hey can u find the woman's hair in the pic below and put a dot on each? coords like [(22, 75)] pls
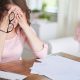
[(21, 3)]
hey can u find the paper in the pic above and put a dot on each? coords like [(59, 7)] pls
[(57, 68), (11, 76)]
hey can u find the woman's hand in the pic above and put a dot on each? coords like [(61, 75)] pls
[(4, 23), (22, 19), (21, 16)]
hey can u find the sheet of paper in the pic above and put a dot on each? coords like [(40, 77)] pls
[(57, 68), (63, 77), (11, 76)]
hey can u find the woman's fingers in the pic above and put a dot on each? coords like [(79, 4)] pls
[(19, 17), (19, 11), (19, 14), (11, 10), (16, 10)]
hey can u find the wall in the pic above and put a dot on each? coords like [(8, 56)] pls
[(68, 14)]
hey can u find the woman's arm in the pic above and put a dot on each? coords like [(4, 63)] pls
[(39, 53), (38, 46), (3, 26), (34, 41), (2, 41)]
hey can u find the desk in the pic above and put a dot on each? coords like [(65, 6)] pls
[(22, 67)]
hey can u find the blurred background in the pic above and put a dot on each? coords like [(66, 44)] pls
[(62, 14), (55, 22)]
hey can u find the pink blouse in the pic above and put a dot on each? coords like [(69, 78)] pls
[(13, 49)]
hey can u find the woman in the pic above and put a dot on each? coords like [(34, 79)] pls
[(15, 30)]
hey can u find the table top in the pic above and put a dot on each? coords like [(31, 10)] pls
[(23, 67)]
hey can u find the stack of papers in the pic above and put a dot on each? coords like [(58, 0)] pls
[(11, 76), (57, 68)]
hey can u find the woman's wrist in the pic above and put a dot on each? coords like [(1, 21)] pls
[(26, 28), (3, 29)]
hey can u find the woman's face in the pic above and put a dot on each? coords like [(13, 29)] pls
[(13, 16)]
